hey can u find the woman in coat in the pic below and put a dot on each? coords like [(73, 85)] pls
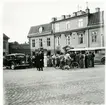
[(81, 60), (86, 60)]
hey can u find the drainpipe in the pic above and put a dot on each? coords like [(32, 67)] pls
[(88, 39)]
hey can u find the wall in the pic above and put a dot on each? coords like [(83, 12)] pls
[(5, 46), (44, 38), (73, 24), (73, 40), (100, 39)]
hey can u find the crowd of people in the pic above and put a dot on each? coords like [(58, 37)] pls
[(62, 60)]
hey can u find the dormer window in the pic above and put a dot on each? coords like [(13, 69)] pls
[(40, 29)]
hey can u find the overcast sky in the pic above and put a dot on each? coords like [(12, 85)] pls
[(18, 17)]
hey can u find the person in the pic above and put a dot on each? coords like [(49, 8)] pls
[(67, 58), (45, 60), (92, 59), (62, 61), (77, 57), (33, 60), (41, 58), (37, 59), (30, 61), (53, 59), (89, 59), (81, 60), (86, 60), (57, 60)]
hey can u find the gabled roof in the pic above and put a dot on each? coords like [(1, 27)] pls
[(45, 28), (95, 18), (5, 36)]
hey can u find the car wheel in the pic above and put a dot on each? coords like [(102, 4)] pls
[(12, 66), (103, 61)]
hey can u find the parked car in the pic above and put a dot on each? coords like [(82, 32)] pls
[(100, 58), (15, 60)]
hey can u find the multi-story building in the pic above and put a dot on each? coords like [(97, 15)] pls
[(41, 37), (5, 45), (82, 29), (96, 29)]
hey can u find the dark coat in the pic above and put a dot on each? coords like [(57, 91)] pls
[(41, 57), (86, 61), (81, 61), (37, 59)]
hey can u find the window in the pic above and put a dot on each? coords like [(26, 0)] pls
[(80, 38), (57, 27), (67, 25), (33, 42), (48, 41), (40, 43), (33, 53), (68, 40), (58, 41), (94, 36), (80, 23)]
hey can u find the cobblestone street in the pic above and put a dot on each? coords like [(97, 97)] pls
[(54, 86)]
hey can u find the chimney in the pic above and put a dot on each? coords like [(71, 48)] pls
[(63, 17), (87, 10), (74, 13), (54, 19), (97, 9), (79, 12), (67, 16)]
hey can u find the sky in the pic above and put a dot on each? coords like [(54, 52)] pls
[(19, 16)]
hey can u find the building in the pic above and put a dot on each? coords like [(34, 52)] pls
[(82, 29), (15, 47), (96, 29), (41, 37), (5, 44)]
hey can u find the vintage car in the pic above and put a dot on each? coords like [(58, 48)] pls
[(15, 60), (100, 57)]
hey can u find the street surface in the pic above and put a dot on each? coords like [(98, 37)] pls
[(54, 86)]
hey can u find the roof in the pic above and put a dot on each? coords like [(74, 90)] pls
[(45, 29), (95, 18), (5, 36)]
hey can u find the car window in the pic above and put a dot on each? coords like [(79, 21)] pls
[(20, 56)]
